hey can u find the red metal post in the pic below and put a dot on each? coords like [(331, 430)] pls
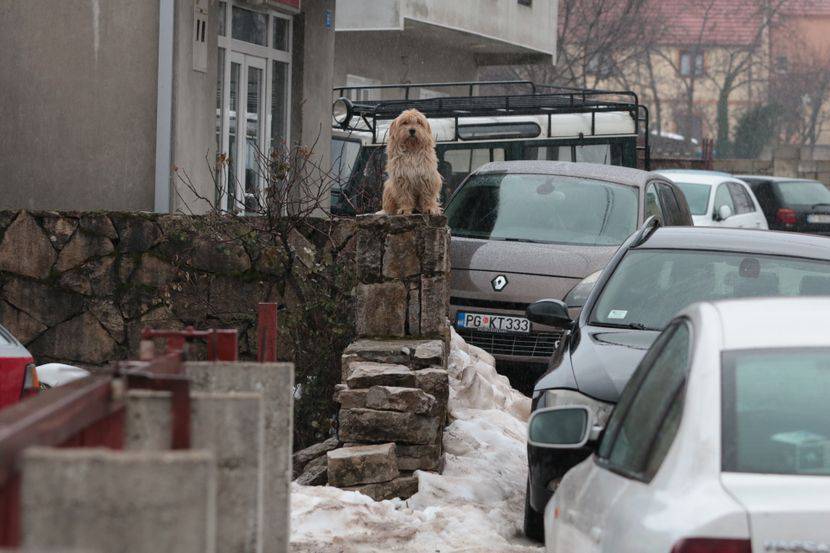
[(227, 347), (266, 330)]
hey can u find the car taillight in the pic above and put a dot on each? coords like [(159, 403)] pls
[(712, 545), (786, 216), (31, 383)]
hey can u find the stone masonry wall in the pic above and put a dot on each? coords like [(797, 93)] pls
[(78, 287)]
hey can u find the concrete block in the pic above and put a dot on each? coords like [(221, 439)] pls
[(231, 426), (130, 502), (275, 381)]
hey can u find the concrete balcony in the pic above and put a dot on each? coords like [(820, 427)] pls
[(494, 32)]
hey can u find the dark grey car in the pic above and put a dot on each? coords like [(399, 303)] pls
[(522, 230)]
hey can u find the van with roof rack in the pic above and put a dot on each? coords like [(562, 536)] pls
[(480, 122)]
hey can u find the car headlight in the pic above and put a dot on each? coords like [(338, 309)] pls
[(579, 293), (601, 409), (341, 112)]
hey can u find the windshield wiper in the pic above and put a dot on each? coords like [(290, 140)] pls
[(633, 326)]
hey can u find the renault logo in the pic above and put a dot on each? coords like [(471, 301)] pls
[(499, 283)]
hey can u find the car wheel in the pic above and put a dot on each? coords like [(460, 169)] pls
[(533, 526)]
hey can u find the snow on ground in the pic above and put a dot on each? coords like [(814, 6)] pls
[(476, 505)]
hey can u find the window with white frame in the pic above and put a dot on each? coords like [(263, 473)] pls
[(253, 99)]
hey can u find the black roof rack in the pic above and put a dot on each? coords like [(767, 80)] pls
[(521, 97)]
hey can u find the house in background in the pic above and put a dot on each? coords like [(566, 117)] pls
[(423, 41), (106, 103)]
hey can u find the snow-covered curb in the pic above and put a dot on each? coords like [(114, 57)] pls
[(475, 505)]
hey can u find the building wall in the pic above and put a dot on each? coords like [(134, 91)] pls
[(532, 27), (78, 104), (314, 59), (392, 57), (194, 115)]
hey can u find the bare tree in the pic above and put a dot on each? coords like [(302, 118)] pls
[(800, 89)]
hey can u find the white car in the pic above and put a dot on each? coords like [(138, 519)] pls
[(718, 199), (720, 442)]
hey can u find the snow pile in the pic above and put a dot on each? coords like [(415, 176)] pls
[(476, 505)]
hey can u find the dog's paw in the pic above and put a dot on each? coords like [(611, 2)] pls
[(403, 212), (435, 211)]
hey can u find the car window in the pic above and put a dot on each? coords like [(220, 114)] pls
[(802, 192), (775, 411), (343, 158), (650, 286), (674, 214), (697, 196), (723, 197), (740, 197), (763, 193), (637, 445), (653, 205), (543, 208), (455, 164)]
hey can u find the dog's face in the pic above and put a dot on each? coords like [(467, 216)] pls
[(411, 130)]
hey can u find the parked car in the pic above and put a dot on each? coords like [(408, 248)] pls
[(655, 274), (719, 442), (18, 375), (523, 230), (799, 205), (475, 123), (718, 199)]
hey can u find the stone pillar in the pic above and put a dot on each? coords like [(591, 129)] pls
[(403, 273), (393, 399), (131, 502)]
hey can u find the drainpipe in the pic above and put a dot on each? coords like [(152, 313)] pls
[(164, 107)]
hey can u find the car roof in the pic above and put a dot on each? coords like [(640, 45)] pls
[(751, 323), (761, 242), (596, 171), (698, 177), (775, 179)]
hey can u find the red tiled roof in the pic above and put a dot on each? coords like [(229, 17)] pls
[(709, 22), (682, 22)]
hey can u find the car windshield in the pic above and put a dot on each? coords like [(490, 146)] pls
[(649, 287), (697, 196), (803, 192), (544, 208), (775, 411)]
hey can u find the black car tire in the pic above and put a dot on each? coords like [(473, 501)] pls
[(534, 524)]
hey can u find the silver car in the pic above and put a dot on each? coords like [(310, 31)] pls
[(524, 230)]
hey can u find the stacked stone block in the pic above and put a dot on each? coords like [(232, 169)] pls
[(403, 274)]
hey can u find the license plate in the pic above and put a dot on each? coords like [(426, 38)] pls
[(493, 323), (821, 219)]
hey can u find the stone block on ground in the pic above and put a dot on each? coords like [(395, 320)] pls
[(349, 466), (275, 381), (369, 425), (315, 473), (420, 457), (301, 458), (392, 398), (367, 374), (403, 487), (125, 501), (231, 426)]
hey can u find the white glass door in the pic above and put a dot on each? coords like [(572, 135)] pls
[(247, 152)]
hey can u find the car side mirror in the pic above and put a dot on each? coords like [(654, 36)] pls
[(724, 212), (550, 313), (562, 427)]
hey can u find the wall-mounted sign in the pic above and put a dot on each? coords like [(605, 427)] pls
[(328, 19), (200, 21)]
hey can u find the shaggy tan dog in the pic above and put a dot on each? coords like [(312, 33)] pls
[(414, 182)]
